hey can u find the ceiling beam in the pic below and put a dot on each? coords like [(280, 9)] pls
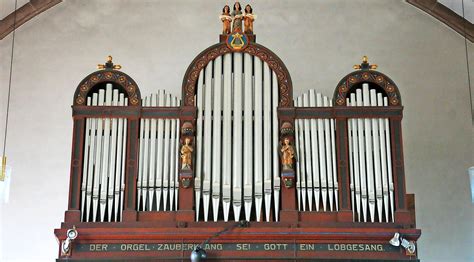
[(447, 16), (24, 14)]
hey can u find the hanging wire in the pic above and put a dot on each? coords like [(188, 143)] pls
[(9, 91), (467, 65)]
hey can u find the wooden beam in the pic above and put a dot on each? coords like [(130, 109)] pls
[(447, 16), (24, 14)]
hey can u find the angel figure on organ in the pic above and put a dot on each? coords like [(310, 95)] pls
[(186, 154), (287, 154), (226, 19), (237, 18), (249, 17)]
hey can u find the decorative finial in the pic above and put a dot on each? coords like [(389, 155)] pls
[(365, 64), (109, 64)]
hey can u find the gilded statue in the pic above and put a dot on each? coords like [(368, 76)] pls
[(287, 154), (186, 154), (249, 17), (237, 18), (226, 19)]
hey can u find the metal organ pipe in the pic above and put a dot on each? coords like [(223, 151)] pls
[(237, 138), (198, 143), (226, 137), (307, 145), (275, 142), (217, 136), (248, 136), (258, 139), (207, 142)]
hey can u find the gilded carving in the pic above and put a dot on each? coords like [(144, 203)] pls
[(186, 154), (287, 154)]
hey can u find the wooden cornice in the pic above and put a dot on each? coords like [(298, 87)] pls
[(24, 14), (447, 16)]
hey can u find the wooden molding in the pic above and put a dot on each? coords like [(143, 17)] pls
[(447, 16), (24, 14)]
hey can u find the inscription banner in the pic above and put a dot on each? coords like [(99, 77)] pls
[(301, 247)]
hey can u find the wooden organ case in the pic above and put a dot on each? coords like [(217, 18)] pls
[(237, 167)]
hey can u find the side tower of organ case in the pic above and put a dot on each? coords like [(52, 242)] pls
[(237, 167)]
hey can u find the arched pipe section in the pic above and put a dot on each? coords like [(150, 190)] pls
[(107, 76), (390, 89), (274, 62), (355, 78), (87, 85)]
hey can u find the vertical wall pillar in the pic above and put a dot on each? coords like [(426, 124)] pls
[(73, 214), (131, 169), (342, 144)]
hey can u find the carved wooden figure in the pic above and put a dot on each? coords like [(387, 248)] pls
[(249, 18), (226, 19), (237, 17), (287, 154), (186, 154)]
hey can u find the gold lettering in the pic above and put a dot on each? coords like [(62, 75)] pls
[(243, 247), (380, 248), (330, 247)]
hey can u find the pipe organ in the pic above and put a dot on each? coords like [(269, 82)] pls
[(237, 167)]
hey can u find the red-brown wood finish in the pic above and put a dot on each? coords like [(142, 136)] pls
[(294, 228)]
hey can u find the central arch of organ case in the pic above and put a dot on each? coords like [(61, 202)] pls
[(316, 177)]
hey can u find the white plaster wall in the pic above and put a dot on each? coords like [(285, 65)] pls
[(156, 40)]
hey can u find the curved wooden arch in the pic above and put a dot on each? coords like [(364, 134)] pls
[(274, 62), (109, 76), (366, 76)]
